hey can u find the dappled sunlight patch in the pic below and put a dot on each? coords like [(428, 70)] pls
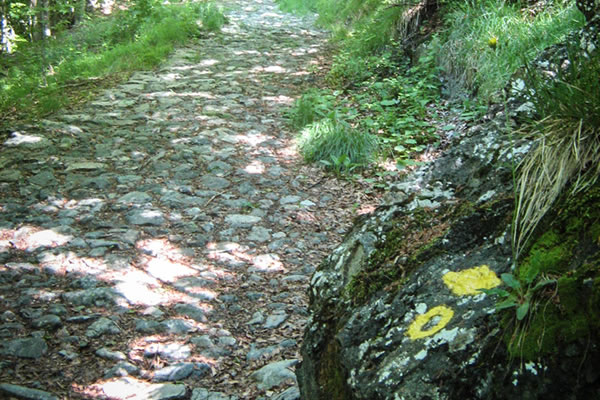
[(71, 263), (268, 263), (255, 167), (29, 238), (229, 253), (253, 140), (137, 287), (273, 69), (279, 99), (18, 139), (167, 270)]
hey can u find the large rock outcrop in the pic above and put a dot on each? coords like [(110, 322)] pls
[(399, 310)]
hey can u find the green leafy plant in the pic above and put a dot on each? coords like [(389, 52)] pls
[(312, 106), (520, 294)]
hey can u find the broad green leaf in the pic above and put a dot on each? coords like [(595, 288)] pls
[(522, 310), (391, 102), (508, 303), (511, 281)]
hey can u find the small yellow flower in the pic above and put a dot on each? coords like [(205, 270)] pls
[(493, 42)]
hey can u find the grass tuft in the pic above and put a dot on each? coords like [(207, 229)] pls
[(566, 143), (336, 144), (488, 41)]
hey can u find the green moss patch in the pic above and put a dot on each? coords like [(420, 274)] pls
[(566, 250)]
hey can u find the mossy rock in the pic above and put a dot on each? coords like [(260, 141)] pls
[(566, 249)]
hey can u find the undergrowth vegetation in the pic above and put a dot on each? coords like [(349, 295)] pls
[(48, 75), (384, 88)]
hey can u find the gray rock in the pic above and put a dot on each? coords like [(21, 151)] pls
[(178, 326), (49, 321), (44, 178), (34, 347), (259, 234), (256, 353), (128, 388), (22, 392), (214, 183), (91, 297), (171, 351), (203, 394), (190, 311), (242, 220), (122, 368), (172, 373), (101, 327), (274, 374), (290, 200), (10, 175), (110, 355), (149, 326), (291, 393), (275, 320), (135, 198), (146, 217)]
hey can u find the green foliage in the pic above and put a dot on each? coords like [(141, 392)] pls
[(465, 51), (37, 75), (396, 108), (548, 302), (315, 104), (336, 144), (566, 137)]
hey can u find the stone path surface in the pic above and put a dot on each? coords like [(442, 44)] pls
[(157, 242)]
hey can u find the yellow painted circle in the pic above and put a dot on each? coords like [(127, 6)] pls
[(470, 281), (415, 330)]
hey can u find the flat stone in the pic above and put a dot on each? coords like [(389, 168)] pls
[(291, 393), (175, 372), (23, 392), (101, 327), (204, 394), (214, 182), (110, 355), (178, 326), (91, 297), (135, 198), (275, 320), (170, 351), (34, 347), (190, 311), (149, 326), (290, 200), (133, 389), (274, 374), (84, 166), (242, 220), (10, 175), (44, 178), (49, 321), (146, 217), (122, 368), (259, 234)]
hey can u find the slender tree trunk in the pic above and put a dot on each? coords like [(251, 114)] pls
[(79, 14), (44, 19)]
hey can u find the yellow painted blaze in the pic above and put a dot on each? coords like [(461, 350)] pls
[(415, 330), (470, 281)]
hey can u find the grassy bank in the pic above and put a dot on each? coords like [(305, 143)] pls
[(46, 76)]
